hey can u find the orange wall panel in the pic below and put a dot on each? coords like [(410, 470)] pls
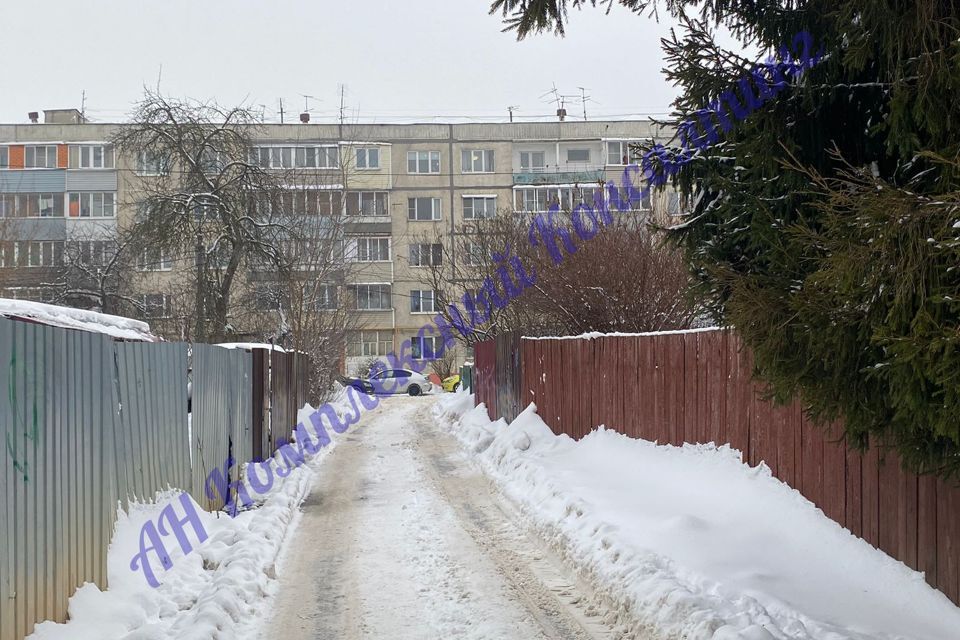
[(63, 156), (16, 156)]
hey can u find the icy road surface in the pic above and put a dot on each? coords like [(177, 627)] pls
[(400, 538)]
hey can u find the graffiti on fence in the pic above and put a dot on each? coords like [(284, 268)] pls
[(13, 432)]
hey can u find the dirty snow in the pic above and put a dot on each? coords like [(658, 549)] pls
[(697, 544)]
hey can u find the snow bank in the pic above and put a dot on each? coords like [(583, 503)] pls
[(217, 591), (69, 318), (693, 543)]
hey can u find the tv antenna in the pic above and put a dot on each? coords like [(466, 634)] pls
[(559, 99), (511, 109), (584, 99)]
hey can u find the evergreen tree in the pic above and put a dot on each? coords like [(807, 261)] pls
[(826, 225)]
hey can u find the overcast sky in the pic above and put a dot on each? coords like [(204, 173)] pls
[(400, 60)]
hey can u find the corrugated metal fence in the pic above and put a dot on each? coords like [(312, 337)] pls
[(88, 422), (697, 387)]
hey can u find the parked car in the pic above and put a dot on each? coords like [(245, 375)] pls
[(399, 381), (452, 383), (359, 384)]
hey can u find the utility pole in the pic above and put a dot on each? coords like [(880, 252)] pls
[(83, 105), (281, 110)]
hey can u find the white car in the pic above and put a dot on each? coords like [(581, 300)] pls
[(399, 381)]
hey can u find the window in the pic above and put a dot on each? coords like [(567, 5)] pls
[(91, 253), (40, 157), (4, 157), (319, 297), (423, 162), (542, 198), (48, 253), (532, 161), (373, 250), (368, 158), (155, 259), (91, 156), (477, 160), (369, 343), (578, 155), (31, 205), (479, 207), (367, 203), (423, 209), (676, 206), (92, 205), (373, 297), (270, 296), (425, 347), (157, 305), (423, 301), (151, 163), (618, 152), (211, 161), (425, 255), (474, 254), (295, 157)]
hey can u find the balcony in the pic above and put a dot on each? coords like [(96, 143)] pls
[(559, 174)]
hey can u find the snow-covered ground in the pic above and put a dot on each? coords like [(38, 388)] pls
[(402, 540), (696, 544), (219, 590)]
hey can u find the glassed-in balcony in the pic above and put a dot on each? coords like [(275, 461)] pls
[(571, 173)]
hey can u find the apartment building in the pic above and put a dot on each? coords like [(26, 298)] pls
[(63, 190)]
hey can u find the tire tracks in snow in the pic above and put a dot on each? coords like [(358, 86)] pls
[(564, 605)]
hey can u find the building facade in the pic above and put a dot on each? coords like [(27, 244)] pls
[(63, 192)]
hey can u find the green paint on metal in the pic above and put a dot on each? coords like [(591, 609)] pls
[(21, 464)]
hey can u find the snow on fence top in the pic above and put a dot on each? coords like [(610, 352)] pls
[(596, 334), (80, 319), (251, 345)]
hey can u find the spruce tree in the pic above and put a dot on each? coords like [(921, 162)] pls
[(826, 226)]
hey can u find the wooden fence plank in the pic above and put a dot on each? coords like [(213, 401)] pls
[(908, 517), (811, 462), (870, 465), (947, 542), (927, 528), (834, 473), (690, 402), (853, 519)]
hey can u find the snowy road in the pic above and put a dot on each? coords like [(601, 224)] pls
[(401, 539)]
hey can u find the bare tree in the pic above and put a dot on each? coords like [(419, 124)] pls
[(623, 278), (198, 194)]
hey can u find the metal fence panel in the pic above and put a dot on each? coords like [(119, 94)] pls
[(59, 477), (222, 416), (152, 382)]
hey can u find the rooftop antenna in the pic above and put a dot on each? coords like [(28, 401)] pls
[(342, 92), (83, 104), (281, 110), (584, 99), (511, 109), (305, 116), (560, 101)]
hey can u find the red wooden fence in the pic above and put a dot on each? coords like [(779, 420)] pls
[(697, 387)]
